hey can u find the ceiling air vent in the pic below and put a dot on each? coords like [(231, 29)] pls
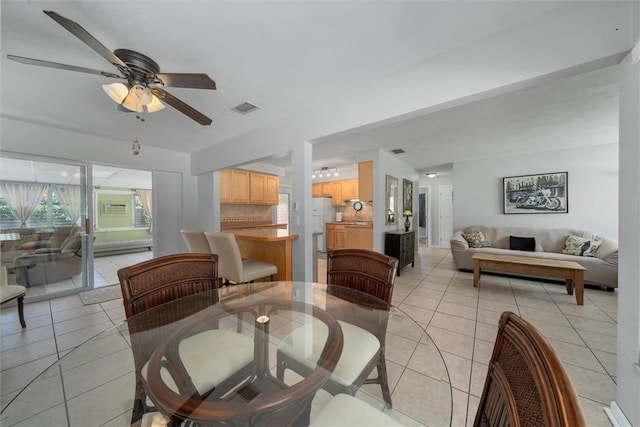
[(245, 108), (397, 151)]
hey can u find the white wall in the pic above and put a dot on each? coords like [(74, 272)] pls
[(628, 369), (592, 190), (390, 165)]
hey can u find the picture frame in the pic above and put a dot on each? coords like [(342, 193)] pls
[(407, 195), (545, 193)]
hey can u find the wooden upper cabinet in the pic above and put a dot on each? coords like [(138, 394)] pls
[(239, 187), (326, 189), (317, 190), (336, 193), (264, 189), (272, 188), (242, 187), (225, 185), (258, 188), (365, 180), (349, 189)]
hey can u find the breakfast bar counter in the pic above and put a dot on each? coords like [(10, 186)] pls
[(272, 245)]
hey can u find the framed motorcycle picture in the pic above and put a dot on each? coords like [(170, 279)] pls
[(544, 193)]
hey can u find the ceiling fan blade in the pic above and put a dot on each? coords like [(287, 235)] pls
[(185, 109), (42, 63), (188, 80), (75, 29)]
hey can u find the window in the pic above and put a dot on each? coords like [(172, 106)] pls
[(49, 213), (141, 218)]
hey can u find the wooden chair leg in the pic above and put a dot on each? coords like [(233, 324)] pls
[(21, 311)]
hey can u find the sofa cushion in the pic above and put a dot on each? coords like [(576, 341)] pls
[(474, 238), (581, 246), (522, 243)]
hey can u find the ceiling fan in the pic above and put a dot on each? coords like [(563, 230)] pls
[(144, 88)]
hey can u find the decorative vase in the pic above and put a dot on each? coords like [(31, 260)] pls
[(407, 224)]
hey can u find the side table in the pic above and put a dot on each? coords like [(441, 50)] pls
[(401, 245)]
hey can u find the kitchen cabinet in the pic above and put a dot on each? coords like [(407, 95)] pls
[(401, 245), (264, 189), (331, 236), (359, 237), (243, 187), (317, 190), (272, 190), (342, 236), (234, 186), (349, 189), (340, 191), (336, 236), (336, 193), (326, 189), (225, 185), (365, 181)]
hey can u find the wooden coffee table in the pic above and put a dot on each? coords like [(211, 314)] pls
[(572, 272)]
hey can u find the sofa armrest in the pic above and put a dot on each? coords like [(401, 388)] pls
[(46, 251), (608, 251), (32, 257), (458, 243)]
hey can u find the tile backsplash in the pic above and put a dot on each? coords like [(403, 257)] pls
[(349, 214), (245, 213)]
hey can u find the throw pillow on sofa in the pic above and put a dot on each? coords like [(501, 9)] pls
[(475, 239), (580, 246), (522, 243)]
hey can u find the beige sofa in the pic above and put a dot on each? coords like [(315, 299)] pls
[(49, 265), (602, 268)]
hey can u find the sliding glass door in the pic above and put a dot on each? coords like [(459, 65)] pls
[(45, 232)]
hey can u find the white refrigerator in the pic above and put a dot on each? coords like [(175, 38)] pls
[(323, 212)]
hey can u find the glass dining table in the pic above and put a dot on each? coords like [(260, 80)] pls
[(94, 385)]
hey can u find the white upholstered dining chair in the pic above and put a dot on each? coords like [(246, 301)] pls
[(346, 410), (196, 241), (10, 292), (231, 266)]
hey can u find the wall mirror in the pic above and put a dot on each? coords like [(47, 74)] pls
[(391, 199)]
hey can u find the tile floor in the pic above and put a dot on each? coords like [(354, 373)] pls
[(461, 320)]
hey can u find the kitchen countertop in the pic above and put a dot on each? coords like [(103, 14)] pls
[(265, 234), (233, 225), (353, 224)]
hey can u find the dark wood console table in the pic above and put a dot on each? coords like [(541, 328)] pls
[(401, 245)]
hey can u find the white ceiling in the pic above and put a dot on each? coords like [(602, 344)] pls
[(289, 55)]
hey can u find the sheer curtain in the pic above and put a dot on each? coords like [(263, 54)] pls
[(70, 200), (23, 198), (145, 199)]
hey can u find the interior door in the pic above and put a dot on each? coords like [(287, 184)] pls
[(446, 215)]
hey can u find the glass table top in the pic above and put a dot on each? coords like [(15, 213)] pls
[(95, 383)]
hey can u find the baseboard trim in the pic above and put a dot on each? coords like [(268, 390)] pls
[(616, 416)]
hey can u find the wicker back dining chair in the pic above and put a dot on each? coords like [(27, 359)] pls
[(152, 283), (526, 384), (369, 272)]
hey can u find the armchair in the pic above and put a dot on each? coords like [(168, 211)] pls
[(49, 265)]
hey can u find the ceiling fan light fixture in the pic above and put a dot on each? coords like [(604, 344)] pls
[(116, 91), (141, 95), (154, 105), (138, 99)]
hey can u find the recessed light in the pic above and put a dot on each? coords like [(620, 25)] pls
[(431, 174)]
